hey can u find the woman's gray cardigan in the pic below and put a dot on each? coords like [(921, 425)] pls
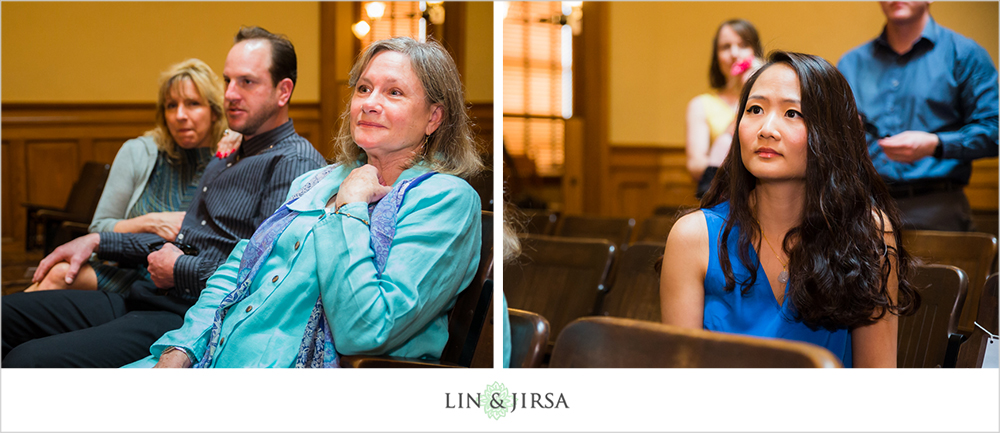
[(126, 181)]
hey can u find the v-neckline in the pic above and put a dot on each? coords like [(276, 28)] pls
[(767, 279)]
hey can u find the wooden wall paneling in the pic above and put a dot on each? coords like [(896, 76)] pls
[(453, 33), (51, 169), (17, 191), (105, 149), (45, 145), (338, 49), (591, 75), (982, 189)]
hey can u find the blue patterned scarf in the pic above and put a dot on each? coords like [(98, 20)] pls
[(317, 349)]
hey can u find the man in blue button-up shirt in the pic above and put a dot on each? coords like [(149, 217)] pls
[(928, 98)]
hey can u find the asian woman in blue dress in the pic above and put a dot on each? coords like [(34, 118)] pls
[(368, 255), (797, 238)]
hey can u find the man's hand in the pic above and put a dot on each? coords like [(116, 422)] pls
[(75, 252), (909, 146), (161, 265), (173, 359)]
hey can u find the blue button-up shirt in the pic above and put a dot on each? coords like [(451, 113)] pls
[(946, 84)]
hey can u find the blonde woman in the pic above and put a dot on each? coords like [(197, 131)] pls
[(155, 176)]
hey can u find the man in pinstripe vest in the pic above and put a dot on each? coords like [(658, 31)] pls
[(73, 328)]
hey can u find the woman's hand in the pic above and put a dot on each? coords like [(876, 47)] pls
[(163, 224), (173, 359), (230, 141), (363, 185)]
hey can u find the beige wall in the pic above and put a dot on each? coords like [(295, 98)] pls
[(479, 52), (114, 52), (660, 51)]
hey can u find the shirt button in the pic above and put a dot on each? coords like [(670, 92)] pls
[(895, 83), (180, 236), (296, 245), (275, 279), (203, 189), (249, 308), (203, 222), (229, 164), (223, 340)]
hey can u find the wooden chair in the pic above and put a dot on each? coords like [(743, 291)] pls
[(483, 357), (558, 278), (656, 228), (540, 222), (635, 293), (465, 322), (616, 230), (529, 334), (611, 342), (973, 252), (930, 338), (79, 207), (973, 351)]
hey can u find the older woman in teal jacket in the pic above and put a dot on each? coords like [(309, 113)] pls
[(367, 256)]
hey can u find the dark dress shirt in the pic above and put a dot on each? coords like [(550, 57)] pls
[(236, 194), (946, 85)]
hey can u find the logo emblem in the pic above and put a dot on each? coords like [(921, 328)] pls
[(496, 401)]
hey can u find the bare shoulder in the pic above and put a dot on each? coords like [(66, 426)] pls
[(696, 106), (882, 222), (690, 229)]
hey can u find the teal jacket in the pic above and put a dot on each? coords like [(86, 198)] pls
[(433, 257)]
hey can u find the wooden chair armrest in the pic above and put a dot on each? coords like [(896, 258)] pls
[(951, 353), (365, 361), (36, 207), (58, 215)]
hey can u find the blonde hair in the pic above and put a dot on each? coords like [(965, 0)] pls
[(209, 87), (451, 148)]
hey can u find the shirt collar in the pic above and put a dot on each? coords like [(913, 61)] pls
[(263, 141), (930, 34)]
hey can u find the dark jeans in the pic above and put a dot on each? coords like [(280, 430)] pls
[(946, 210), (75, 328)]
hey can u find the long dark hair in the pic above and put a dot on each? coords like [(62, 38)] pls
[(839, 264), (749, 35)]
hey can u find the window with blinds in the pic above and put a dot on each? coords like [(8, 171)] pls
[(537, 83), (398, 19)]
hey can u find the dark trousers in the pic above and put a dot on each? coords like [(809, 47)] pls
[(74, 328), (945, 210)]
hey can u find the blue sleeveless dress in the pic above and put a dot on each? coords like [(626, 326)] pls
[(757, 313)]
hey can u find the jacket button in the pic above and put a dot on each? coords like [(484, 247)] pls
[(249, 308), (297, 245), (275, 279)]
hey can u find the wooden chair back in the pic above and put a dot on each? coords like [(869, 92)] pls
[(656, 228), (465, 322), (973, 252), (483, 356), (80, 206), (529, 335), (616, 230), (540, 222), (611, 342), (559, 278), (973, 351), (635, 293), (925, 338), (87, 189)]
